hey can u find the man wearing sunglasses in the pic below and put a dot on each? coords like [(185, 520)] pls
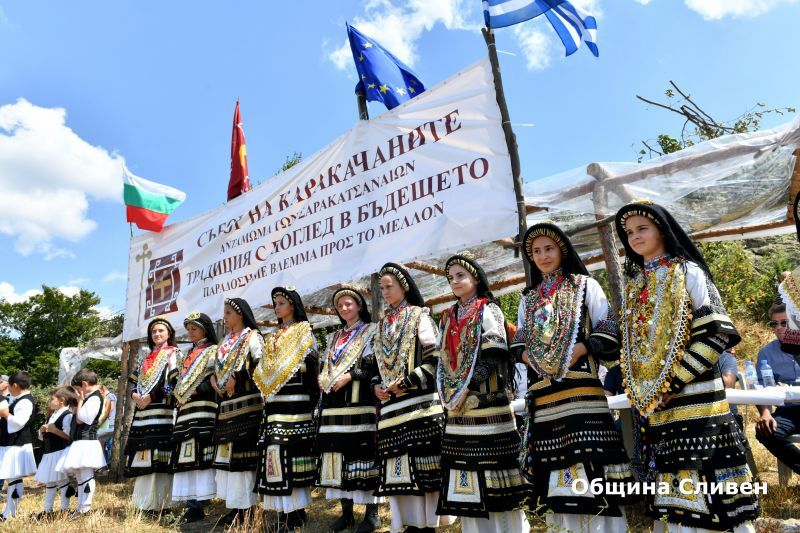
[(773, 429)]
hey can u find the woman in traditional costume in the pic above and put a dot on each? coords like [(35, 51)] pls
[(348, 466), (481, 478), (673, 328), (789, 290), (193, 456), (565, 326), (287, 377), (411, 415), (149, 446), (236, 431)]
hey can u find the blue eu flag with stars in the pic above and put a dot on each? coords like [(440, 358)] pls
[(383, 77)]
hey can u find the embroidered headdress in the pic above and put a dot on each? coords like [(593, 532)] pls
[(242, 308), (170, 330), (363, 312), (676, 241), (292, 295), (203, 321), (570, 260), (467, 261), (413, 296)]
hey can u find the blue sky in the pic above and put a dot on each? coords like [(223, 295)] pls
[(85, 84)]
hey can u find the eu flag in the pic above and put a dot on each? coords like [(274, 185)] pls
[(384, 78)]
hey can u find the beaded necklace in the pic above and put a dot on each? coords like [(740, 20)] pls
[(655, 330), (461, 344), (344, 351), (284, 352), (151, 368), (552, 320), (397, 340), (231, 355), (194, 368)]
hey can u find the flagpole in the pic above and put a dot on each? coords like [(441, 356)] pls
[(376, 298), (511, 142)]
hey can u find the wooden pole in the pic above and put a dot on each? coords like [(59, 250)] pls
[(511, 142), (376, 297), (608, 241), (119, 415), (125, 418)]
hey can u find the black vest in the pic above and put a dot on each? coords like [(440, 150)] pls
[(25, 435), (86, 431), (52, 442)]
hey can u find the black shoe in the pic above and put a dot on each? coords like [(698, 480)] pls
[(229, 518), (194, 514), (371, 520), (342, 523)]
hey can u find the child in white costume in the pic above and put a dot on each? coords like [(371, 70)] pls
[(85, 454), (56, 441), (18, 461)]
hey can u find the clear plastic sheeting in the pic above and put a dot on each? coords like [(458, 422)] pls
[(736, 184)]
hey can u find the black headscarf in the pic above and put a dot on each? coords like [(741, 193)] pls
[(413, 296), (676, 242), (202, 320), (291, 294), (571, 262), (363, 312), (469, 264), (242, 309), (170, 330), (797, 214)]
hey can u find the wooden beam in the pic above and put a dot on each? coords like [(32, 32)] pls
[(794, 185), (424, 267)]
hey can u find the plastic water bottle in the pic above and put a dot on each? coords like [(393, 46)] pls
[(766, 374), (750, 375)]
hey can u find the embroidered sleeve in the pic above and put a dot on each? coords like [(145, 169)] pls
[(603, 342), (517, 344), (493, 346), (423, 376), (712, 330), (23, 410), (256, 347)]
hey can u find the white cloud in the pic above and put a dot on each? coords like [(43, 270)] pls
[(78, 281), (717, 9), (47, 175), (643, 2), (115, 276), (398, 25), (10, 294), (536, 45)]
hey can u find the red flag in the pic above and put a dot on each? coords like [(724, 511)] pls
[(240, 180)]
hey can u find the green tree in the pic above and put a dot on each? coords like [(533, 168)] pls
[(34, 331)]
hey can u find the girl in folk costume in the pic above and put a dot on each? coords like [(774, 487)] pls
[(481, 477), (149, 446), (564, 327), (348, 466), (287, 377), (18, 460), (55, 437), (411, 416), (85, 454), (673, 328), (196, 399), (789, 290), (236, 430)]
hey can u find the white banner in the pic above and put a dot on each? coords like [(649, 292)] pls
[(431, 176)]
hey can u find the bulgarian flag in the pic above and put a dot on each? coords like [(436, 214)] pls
[(148, 204)]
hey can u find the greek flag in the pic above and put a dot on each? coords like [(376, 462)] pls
[(573, 25), (501, 13)]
